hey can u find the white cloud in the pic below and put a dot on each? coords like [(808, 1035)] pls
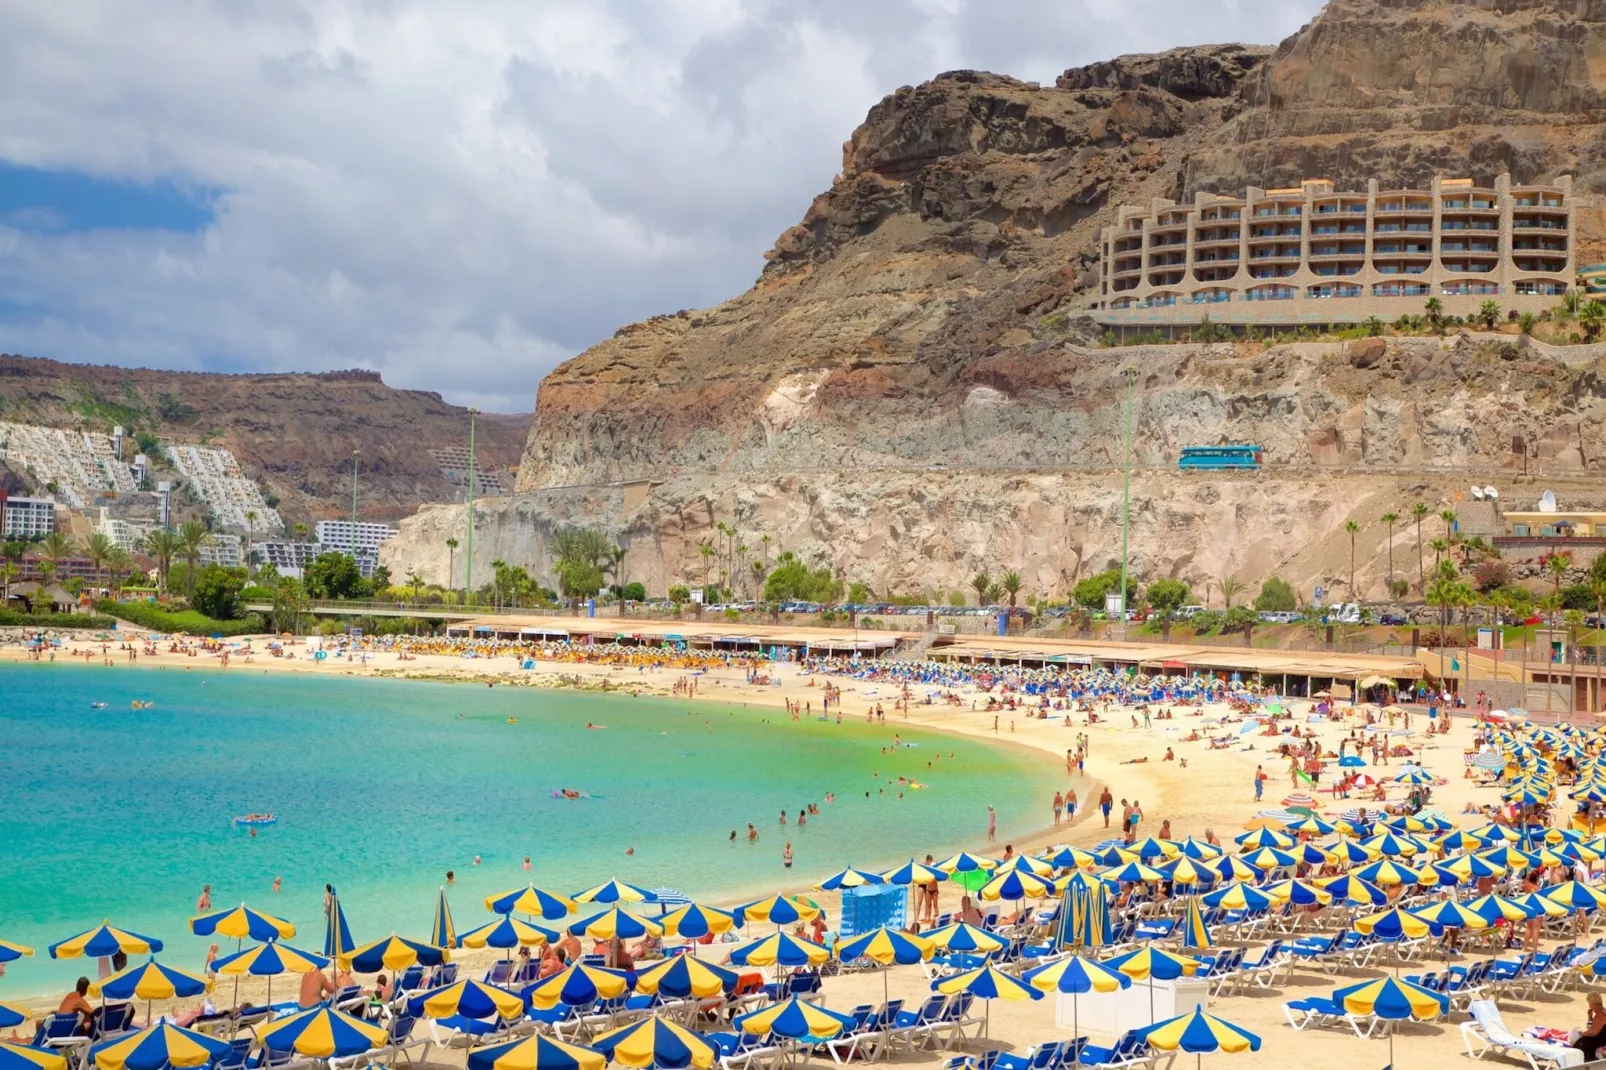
[(461, 195)]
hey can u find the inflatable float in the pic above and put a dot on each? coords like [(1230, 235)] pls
[(256, 820)]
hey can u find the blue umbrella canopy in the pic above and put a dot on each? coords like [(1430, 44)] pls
[(157, 1047), (321, 1033), (657, 1043), (536, 1053), (18, 1057), (686, 975), (615, 892), (105, 941), (150, 981), (269, 960), (850, 878), (531, 900), (242, 923), (508, 931), (795, 1019), (578, 985), (395, 953), (468, 998), (1197, 1032)]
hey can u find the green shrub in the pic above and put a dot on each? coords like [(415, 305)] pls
[(188, 621), (10, 618)]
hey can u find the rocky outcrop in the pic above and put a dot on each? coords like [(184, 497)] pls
[(295, 431), (913, 359)]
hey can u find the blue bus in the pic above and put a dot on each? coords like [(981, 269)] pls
[(1219, 458)]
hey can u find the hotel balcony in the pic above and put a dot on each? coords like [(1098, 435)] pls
[(1165, 278), (1210, 238), (1549, 266)]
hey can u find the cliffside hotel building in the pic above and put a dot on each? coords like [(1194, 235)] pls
[(1312, 255)]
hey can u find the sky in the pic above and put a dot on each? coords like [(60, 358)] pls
[(457, 195)]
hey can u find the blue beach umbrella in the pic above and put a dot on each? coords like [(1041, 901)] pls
[(614, 923), (780, 909), (267, 960), (242, 923), (781, 949), (1195, 934), (965, 862), (10, 1016), (1198, 1033), (532, 901), (1076, 975), (19, 1057), (693, 921), (615, 892), (321, 1033), (395, 953), (337, 941), (964, 937), (685, 976), (157, 1047), (508, 931), (888, 947), (795, 1019), (1393, 1000), (912, 872), (659, 1043), (10, 952), (469, 998), (987, 983), (850, 878), (1238, 896), (578, 985), (442, 933), (1016, 884), (538, 1052), (104, 941), (150, 981)]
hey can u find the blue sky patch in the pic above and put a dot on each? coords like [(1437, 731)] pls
[(69, 201)]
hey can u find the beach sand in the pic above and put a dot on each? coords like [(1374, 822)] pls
[(1215, 790)]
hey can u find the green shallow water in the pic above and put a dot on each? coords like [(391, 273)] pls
[(381, 786)]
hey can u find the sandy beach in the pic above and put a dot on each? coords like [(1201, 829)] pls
[(1214, 791)]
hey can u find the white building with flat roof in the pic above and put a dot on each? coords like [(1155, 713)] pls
[(222, 549), (127, 535), (349, 538), (28, 518)]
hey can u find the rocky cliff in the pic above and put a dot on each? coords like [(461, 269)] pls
[(909, 393), (295, 432)]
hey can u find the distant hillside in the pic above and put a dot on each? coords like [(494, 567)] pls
[(294, 431)]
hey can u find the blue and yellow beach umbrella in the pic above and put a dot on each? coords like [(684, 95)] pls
[(1350, 851), (1356, 890), (1263, 837), (471, 999), (337, 941), (657, 1042), (11, 1016), (1392, 999), (987, 983), (321, 1033), (538, 1052), (694, 922), (1016, 884), (1184, 871), (1311, 855), (532, 901), (1394, 845), (1575, 896), (850, 878), (615, 892), (1233, 868), (1386, 873), (1195, 933), (1269, 858), (1202, 849), (612, 923), (965, 862), (1150, 961), (1300, 893), (781, 949), (912, 872), (1027, 864), (156, 1047), (1493, 908), (686, 975), (577, 986), (268, 960), (1134, 873), (395, 953), (794, 1019), (1238, 896), (1393, 925), (104, 941), (148, 981), (1070, 858), (508, 931), (886, 946), (1197, 1033), (964, 937), (1311, 825), (1539, 905), (442, 933), (1474, 866), (242, 923), (18, 1057), (1449, 914), (10, 952), (1076, 974), (780, 909)]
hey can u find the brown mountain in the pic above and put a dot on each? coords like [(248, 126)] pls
[(296, 432), (924, 317)]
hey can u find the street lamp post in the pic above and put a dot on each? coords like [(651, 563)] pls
[(468, 574), (1131, 377)]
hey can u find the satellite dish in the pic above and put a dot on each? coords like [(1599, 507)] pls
[(1477, 493), (1547, 502), (1492, 494)]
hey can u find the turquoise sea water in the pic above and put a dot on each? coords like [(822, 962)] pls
[(381, 786)]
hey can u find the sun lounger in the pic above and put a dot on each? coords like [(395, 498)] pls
[(235, 1058), (1129, 1050), (742, 1050), (1487, 1032), (860, 1040)]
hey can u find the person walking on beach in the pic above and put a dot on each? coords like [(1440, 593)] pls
[(1260, 782), (1070, 804), (992, 824), (1126, 818), (1106, 801), (1059, 805)]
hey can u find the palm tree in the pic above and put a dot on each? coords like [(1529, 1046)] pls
[(98, 549), (1557, 565), (1592, 317), (765, 539), (119, 564), (1391, 519), (451, 559), (1354, 529), (1229, 588), (1572, 303), (1444, 592), (415, 580), (1011, 584), (192, 535), (1489, 314), (162, 545), (705, 550), (1418, 511), (1439, 548), (759, 572), (53, 547), (995, 593), (982, 584), (250, 529), (1435, 312), (1448, 516)]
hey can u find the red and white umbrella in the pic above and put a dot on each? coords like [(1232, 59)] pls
[(1300, 798)]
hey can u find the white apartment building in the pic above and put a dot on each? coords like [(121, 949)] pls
[(223, 549), (82, 464), (348, 538), (287, 556), (127, 535), (219, 481), (28, 518)]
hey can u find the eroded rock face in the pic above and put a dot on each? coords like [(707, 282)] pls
[(924, 314)]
